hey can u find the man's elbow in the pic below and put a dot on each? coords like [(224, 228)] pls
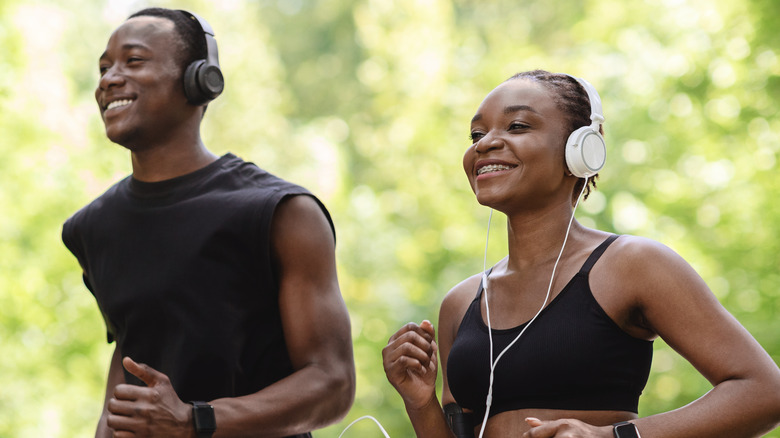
[(775, 397), (768, 395), (342, 390)]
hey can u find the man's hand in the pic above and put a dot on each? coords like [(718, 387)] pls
[(151, 411)]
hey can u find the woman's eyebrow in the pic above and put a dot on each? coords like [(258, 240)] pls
[(516, 108), (511, 109)]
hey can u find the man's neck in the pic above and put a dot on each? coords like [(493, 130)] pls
[(166, 162)]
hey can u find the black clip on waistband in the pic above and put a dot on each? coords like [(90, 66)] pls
[(461, 423)]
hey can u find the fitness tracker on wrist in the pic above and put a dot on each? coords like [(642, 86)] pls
[(625, 429), (203, 419)]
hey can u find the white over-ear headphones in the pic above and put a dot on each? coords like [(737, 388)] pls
[(586, 150)]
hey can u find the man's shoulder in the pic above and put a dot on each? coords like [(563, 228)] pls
[(255, 178), (84, 218), (100, 203), (248, 183), (271, 190)]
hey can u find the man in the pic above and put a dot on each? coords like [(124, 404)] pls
[(216, 279)]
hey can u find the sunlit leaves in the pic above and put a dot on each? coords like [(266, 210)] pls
[(367, 103)]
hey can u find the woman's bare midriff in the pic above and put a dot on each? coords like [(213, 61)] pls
[(512, 423)]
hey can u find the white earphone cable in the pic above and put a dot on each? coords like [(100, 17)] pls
[(366, 417), (493, 363), (489, 400)]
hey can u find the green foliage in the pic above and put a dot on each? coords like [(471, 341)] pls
[(367, 103)]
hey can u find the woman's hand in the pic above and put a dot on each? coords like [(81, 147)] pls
[(410, 363), (565, 429)]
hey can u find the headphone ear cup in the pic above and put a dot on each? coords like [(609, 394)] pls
[(191, 88), (210, 81), (203, 82), (586, 152)]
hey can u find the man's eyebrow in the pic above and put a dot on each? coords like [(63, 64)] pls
[(476, 118), (130, 46), (126, 47)]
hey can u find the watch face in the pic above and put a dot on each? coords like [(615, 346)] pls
[(203, 416), (626, 430)]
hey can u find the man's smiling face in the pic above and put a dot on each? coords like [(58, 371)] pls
[(140, 92)]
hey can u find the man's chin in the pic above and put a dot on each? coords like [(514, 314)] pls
[(123, 138)]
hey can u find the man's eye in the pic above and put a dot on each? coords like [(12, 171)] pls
[(517, 125), (475, 136)]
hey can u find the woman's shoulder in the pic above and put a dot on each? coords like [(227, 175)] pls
[(643, 268), (456, 302), (636, 274), (637, 254), (634, 262), (463, 292)]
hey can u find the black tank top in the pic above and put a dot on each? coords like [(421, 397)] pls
[(182, 271), (572, 357)]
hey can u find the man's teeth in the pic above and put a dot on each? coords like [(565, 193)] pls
[(492, 168), (118, 103)]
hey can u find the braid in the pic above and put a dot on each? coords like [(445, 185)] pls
[(572, 99)]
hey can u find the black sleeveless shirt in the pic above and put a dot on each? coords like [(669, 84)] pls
[(181, 270), (572, 357)]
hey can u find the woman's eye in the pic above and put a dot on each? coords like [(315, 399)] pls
[(517, 125), (475, 136)]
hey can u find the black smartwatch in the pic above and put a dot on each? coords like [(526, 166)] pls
[(203, 419), (625, 429)]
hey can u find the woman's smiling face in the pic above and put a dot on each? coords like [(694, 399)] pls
[(518, 136)]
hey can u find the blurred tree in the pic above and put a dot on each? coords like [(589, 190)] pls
[(367, 103)]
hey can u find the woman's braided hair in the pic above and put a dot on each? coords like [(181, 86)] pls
[(572, 99)]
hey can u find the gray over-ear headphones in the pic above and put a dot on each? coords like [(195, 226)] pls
[(586, 150), (203, 80)]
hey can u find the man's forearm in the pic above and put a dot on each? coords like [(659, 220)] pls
[(308, 399)]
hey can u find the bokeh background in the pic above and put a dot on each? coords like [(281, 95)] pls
[(367, 103)]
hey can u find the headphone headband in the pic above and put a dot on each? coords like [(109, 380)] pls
[(203, 80), (208, 33), (586, 150), (596, 112)]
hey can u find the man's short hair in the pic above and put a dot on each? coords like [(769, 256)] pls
[(191, 37)]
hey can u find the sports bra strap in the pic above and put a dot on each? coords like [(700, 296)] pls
[(592, 259), (482, 286), (596, 254)]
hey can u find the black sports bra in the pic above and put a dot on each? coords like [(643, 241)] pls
[(572, 357)]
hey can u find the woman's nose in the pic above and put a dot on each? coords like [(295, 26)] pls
[(488, 143)]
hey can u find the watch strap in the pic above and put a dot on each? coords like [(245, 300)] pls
[(203, 419), (625, 429)]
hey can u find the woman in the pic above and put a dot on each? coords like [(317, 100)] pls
[(578, 368)]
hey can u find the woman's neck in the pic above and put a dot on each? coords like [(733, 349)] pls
[(536, 238)]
